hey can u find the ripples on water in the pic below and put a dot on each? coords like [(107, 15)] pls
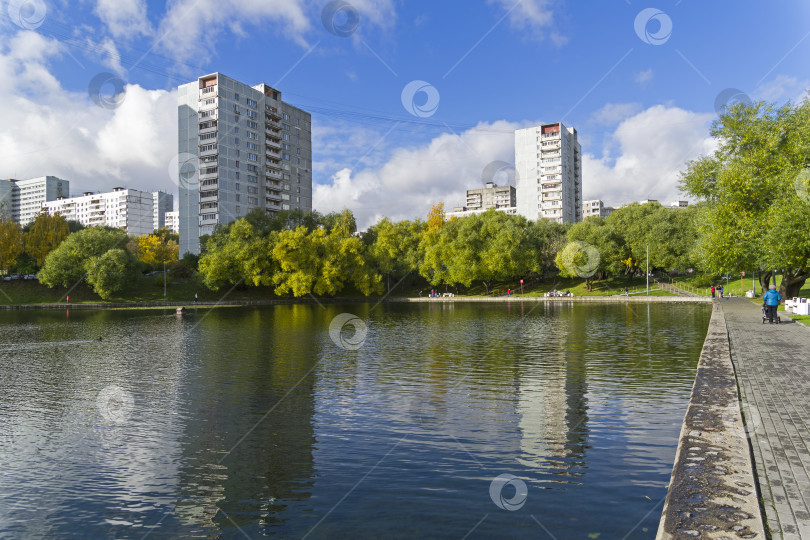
[(252, 421)]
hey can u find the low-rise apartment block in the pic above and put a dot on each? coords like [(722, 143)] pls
[(128, 209), (595, 208)]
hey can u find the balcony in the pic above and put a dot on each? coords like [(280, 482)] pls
[(209, 175), (210, 91), (212, 152), (211, 129), (273, 165), (275, 175), (272, 113), (209, 196), (272, 154), (275, 145)]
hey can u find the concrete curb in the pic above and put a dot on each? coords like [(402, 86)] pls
[(712, 491)]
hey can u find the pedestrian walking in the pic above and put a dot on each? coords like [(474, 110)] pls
[(508, 292), (420, 294), (770, 301), (720, 289), (195, 298), (713, 291), (68, 299)]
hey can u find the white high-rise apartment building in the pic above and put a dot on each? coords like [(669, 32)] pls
[(128, 209), (240, 148), (22, 200), (548, 160)]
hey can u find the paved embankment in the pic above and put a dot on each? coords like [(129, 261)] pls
[(712, 491), (773, 369)]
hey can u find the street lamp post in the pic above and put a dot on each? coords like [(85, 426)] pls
[(648, 269), (164, 280)]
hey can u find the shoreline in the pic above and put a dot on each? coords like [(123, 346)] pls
[(316, 301)]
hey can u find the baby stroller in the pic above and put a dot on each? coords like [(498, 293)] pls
[(765, 316)]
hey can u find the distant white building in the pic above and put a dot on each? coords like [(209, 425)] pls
[(679, 204), (548, 161), (22, 200), (491, 196), (595, 208), (128, 209), (173, 222), (163, 202)]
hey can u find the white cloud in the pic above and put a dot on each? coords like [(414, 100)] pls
[(47, 130), (643, 78), (783, 88), (652, 148), (124, 18), (535, 16), (191, 28), (413, 179), (613, 113)]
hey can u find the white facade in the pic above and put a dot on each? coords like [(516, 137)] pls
[(127, 209), (162, 202), (679, 204), (548, 160), (595, 208), (463, 211), (173, 221), (240, 148), (22, 200)]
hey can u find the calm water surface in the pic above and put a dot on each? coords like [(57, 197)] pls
[(245, 422)]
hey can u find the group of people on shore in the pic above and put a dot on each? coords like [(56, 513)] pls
[(717, 290)]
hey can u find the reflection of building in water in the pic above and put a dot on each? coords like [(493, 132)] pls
[(265, 396), (551, 400)]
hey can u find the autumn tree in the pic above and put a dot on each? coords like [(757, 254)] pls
[(44, 235), (153, 249), (11, 244)]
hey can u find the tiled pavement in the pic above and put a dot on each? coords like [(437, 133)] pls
[(773, 370)]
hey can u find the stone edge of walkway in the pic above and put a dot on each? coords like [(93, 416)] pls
[(712, 491)]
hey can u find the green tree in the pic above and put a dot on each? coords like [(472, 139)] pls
[(44, 235), (239, 254), (757, 210), (111, 272), (67, 264), (11, 244), (578, 258), (395, 247)]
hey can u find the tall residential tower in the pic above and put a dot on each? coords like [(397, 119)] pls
[(240, 148), (548, 159)]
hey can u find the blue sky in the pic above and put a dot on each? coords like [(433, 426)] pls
[(642, 96)]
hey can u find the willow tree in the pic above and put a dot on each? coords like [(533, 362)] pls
[(756, 187)]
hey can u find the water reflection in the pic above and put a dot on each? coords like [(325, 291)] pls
[(253, 421)]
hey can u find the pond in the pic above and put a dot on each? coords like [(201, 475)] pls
[(428, 420)]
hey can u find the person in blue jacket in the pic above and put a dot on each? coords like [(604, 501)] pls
[(771, 301)]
